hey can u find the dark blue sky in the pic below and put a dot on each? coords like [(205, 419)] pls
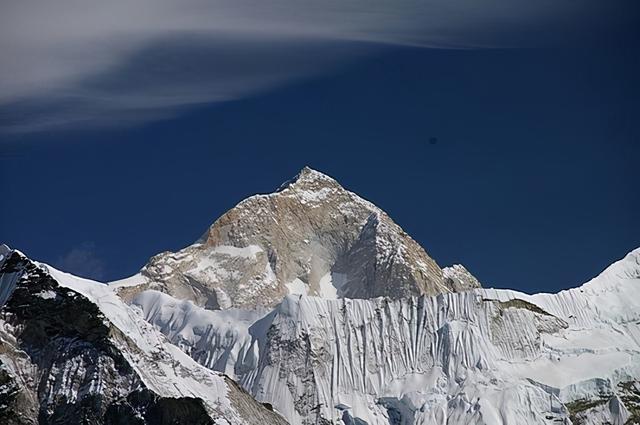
[(533, 183)]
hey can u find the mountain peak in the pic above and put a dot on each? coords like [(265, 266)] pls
[(311, 237), (627, 268), (309, 178), (309, 173)]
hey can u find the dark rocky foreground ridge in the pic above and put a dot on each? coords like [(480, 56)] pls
[(62, 362)]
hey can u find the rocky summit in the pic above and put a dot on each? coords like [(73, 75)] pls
[(312, 237)]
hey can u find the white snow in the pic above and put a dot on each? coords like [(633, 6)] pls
[(313, 196), (135, 280), (195, 330), (47, 295), (246, 252), (297, 287), (326, 287)]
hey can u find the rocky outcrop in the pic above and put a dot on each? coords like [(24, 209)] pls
[(57, 350), (459, 278)]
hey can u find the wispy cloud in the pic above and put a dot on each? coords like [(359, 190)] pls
[(83, 261), (74, 62)]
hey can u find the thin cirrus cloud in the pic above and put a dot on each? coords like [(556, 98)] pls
[(73, 63)]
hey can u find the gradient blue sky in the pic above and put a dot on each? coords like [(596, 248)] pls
[(533, 183)]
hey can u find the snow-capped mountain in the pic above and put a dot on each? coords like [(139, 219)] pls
[(310, 237), (311, 306)]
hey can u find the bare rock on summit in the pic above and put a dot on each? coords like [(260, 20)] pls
[(459, 278), (311, 236)]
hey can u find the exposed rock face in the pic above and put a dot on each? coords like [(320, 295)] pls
[(312, 236), (60, 338), (459, 278), (63, 361)]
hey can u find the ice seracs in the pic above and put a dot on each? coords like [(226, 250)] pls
[(482, 356)]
